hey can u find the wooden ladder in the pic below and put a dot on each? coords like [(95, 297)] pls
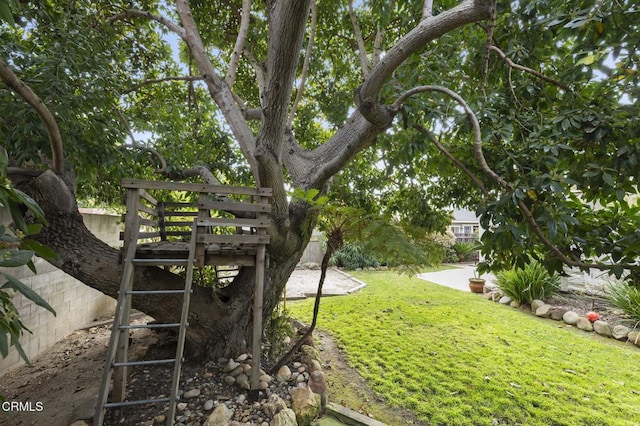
[(116, 362)]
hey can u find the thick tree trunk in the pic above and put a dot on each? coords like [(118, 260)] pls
[(219, 321)]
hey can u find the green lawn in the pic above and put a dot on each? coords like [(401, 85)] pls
[(454, 358)]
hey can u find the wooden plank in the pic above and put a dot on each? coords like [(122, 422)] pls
[(172, 213), (351, 417), (234, 206), (233, 239), (180, 224), (195, 187), (149, 210), (144, 194), (232, 221), (149, 222)]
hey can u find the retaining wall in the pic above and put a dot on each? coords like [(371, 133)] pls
[(75, 304)]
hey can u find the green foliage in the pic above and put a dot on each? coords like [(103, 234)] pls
[(529, 283), (625, 297), (352, 256), (16, 250), (479, 363), (465, 251), (277, 329)]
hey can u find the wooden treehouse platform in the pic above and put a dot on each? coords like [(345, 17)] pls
[(230, 221)]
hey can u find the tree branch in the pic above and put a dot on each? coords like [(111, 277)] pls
[(535, 73), (427, 9), (427, 30), (135, 13), (9, 78), (362, 49), (219, 90), (305, 64), (163, 79), (240, 42)]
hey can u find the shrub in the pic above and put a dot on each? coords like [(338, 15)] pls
[(351, 256), (465, 251), (626, 297), (532, 282)]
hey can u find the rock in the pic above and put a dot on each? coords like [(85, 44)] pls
[(208, 405), (570, 318), (584, 324), (159, 419), (193, 393), (237, 371), (274, 405), (620, 332), (221, 416), (231, 365), (557, 313), (634, 337), (488, 295), (229, 380), (314, 366), (84, 411), (181, 406), (79, 423), (602, 328), (263, 385), (241, 399), (283, 374), (514, 304), (543, 311), (300, 378), (242, 357), (265, 378), (318, 385), (505, 300), (285, 417), (535, 304), (243, 381), (207, 375), (306, 405), (309, 353)]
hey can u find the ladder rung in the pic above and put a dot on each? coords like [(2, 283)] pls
[(168, 325), (139, 402), (162, 261), (151, 362), (155, 291)]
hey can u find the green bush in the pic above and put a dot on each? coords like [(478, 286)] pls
[(532, 282), (465, 251), (351, 256), (625, 296)]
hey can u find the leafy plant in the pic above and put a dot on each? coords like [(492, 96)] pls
[(352, 256), (17, 250), (464, 250), (276, 330), (626, 297), (533, 281)]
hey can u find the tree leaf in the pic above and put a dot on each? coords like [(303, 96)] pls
[(27, 292), (11, 258)]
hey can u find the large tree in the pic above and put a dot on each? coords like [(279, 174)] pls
[(402, 107)]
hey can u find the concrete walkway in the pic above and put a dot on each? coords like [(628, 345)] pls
[(304, 283), (457, 278)]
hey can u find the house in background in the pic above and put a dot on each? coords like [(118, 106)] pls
[(465, 226)]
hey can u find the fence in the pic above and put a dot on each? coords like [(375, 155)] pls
[(75, 304)]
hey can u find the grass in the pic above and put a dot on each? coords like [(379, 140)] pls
[(454, 358)]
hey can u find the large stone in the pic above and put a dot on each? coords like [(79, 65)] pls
[(543, 311), (602, 328), (535, 304), (620, 332), (584, 324), (231, 365), (309, 353), (558, 312), (274, 405), (505, 300), (285, 417), (191, 393), (221, 416), (306, 404), (514, 304), (314, 366), (634, 337), (283, 374), (570, 317)]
